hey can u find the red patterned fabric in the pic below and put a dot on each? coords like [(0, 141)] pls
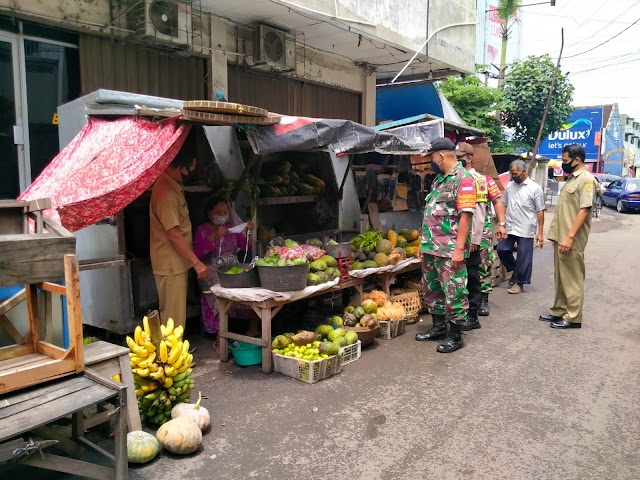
[(105, 167)]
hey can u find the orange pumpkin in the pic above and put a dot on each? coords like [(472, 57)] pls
[(180, 435)]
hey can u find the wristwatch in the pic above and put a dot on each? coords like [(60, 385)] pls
[(502, 224)]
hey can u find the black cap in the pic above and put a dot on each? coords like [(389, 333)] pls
[(440, 144)]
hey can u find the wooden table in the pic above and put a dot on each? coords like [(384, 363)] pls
[(386, 278), (266, 310), (28, 409), (108, 360)]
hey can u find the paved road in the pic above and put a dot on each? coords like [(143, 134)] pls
[(520, 401)]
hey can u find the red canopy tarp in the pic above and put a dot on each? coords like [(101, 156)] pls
[(105, 167)]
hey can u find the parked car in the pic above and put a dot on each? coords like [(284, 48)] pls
[(605, 178), (624, 194)]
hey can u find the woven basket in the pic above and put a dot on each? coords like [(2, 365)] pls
[(248, 279), (365, 335), (418, 288), (411, 303), (284, 279)]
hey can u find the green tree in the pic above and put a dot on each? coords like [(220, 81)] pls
[(476, 104), (525, 95), (507, 12)]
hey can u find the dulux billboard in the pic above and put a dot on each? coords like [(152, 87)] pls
[(582, 127)]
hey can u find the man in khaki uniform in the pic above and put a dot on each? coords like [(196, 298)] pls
[(171, 241), (570, 231)]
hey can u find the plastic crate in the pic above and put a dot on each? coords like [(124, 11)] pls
[(391, 328), (351, 353), (305, 370)]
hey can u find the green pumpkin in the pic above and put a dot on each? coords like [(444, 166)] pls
[(142, 447)]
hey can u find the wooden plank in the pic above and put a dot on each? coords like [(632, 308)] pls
[(33, 258), (244, 338), (33, 313), (43, 389), (98, 418), (8, 327), (93, 446), (374, 217), (54, 410), (95, 263), (266, 316), (53, 351), (74, 308), (126, 376), (39, 204), (11, 302), (56, 228), (35, 373), (7, 353), (21, 360), (99, 351), (69, 465), (106, 368), (52, 287), (37, 399)]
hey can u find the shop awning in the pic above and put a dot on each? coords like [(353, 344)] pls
[(105, 167), (342, 136)]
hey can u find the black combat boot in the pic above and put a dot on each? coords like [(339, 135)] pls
[(453, 341), (484, 310), (437, 332), (472, 321)]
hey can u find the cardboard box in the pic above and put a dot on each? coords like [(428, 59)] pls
[(399, 205), (402, 190)]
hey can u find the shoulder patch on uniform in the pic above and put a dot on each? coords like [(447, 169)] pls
[(588, 187), (466, 194)]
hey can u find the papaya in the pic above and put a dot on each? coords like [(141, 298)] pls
[(392, 237), (414, 243), (412, 235), (316, 182), (401, 242), (404, 232), (411, 251)]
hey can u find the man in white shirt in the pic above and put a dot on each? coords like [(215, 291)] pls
[(524, 200)]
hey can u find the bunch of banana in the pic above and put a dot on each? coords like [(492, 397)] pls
[(161, 372)]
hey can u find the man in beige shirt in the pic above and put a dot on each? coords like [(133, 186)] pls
[(569, 233), (171, 240)]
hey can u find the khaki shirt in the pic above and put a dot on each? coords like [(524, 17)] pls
[(576, 194), (168, 209)]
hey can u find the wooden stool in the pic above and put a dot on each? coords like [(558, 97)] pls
[(108, 360)]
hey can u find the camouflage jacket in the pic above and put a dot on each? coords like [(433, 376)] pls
[(450, 195)]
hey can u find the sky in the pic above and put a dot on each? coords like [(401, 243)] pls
[(607, 74)]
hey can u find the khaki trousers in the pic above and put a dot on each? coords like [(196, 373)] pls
[(172, 294), (569, 281)]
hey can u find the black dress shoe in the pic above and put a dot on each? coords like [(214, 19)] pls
[(565, 324), (550, 318)]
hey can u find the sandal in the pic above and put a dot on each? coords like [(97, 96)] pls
[(514, 278), (516, 289), (216, 346)]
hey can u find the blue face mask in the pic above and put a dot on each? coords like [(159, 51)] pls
[(436, 168)]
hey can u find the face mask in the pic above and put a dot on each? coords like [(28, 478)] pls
[(219, 220), (518, 179), (436, 168), (568, 167), (464, 163)]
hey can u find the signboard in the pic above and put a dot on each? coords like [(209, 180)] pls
[(583, 127), (489, 36)]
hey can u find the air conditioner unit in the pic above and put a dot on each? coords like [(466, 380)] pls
[(167, 21), (274, 49)]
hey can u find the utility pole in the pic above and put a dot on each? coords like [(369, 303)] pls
[(548, 105)]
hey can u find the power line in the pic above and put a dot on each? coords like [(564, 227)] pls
[(606, 41), (616, 18), (607, 66)]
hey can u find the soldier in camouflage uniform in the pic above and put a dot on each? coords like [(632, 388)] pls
[(487, 192), (446, 227)]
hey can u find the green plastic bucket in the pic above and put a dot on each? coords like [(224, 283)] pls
[(246, 354)]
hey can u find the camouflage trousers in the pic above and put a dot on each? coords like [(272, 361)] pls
[(487, 257), (445, 289)]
